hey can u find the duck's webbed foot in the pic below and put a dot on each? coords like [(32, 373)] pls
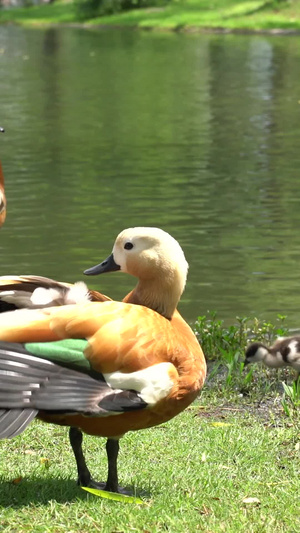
[(101, 485), (84, 477)]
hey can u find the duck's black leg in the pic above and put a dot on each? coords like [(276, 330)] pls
[(112, 450), (84, 477)]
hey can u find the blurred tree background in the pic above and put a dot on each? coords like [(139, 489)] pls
[(93, 8), (90, 8)]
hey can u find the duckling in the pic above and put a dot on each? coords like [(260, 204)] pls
[(105, 368), (284, 352), (2, 193)]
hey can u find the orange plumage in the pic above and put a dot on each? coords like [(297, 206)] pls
[(140, 344)]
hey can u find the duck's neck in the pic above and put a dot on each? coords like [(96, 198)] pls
[(157, 295), (1, 177)]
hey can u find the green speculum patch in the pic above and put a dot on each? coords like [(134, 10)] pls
[(69, 352)]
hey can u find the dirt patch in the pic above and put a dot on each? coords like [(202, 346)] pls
[(269, 412)]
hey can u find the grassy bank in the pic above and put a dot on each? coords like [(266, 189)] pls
[(230, 462), (189, 15), (195, 473)]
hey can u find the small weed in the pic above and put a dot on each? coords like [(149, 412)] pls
[(291, 398)]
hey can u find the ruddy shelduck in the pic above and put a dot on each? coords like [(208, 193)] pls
[(105, 368), (2, 193)]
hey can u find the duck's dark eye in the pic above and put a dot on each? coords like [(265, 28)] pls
[(128, 245)]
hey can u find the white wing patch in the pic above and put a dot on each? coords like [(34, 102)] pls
[(43, 297), (153, 383), (75, 294)]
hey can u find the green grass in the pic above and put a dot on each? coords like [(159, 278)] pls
[(192, 15), (193, 473), (239, 440)]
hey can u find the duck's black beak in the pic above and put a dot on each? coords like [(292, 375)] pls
[(108, 265)]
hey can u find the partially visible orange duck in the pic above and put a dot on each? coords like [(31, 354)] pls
[(138, 366), (37, 292), (2, 193)]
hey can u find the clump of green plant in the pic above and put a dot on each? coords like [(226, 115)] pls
[(291, 398), (225, 345), (216, 338)]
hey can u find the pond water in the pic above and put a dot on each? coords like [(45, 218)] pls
[(196, 134)]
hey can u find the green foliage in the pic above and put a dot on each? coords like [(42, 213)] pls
[(291, 398), (87, 9), (174, 14), (217, 339), (225, 347)]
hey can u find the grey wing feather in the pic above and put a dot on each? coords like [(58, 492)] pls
[(29, 384), (14, 421)]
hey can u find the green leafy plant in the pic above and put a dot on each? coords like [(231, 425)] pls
[(291, 398), (217, 339), (224, 346)]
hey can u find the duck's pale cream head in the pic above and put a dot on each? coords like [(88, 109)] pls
[(147, 252), (156, 259)]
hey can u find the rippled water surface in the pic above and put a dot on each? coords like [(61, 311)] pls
[(198, 135)]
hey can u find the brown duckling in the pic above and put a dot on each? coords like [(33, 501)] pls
[(284, 352)]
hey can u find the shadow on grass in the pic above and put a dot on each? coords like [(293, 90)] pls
[(39, 491)]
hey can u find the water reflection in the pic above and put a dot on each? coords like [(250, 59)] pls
[(195, 134)]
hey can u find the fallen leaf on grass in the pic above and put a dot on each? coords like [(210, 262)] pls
[(114, 496), (297, 447), (250, 500), (220, 424), (44, 461), (17, 480), (274, 484), (195, 407), (204, 510)]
